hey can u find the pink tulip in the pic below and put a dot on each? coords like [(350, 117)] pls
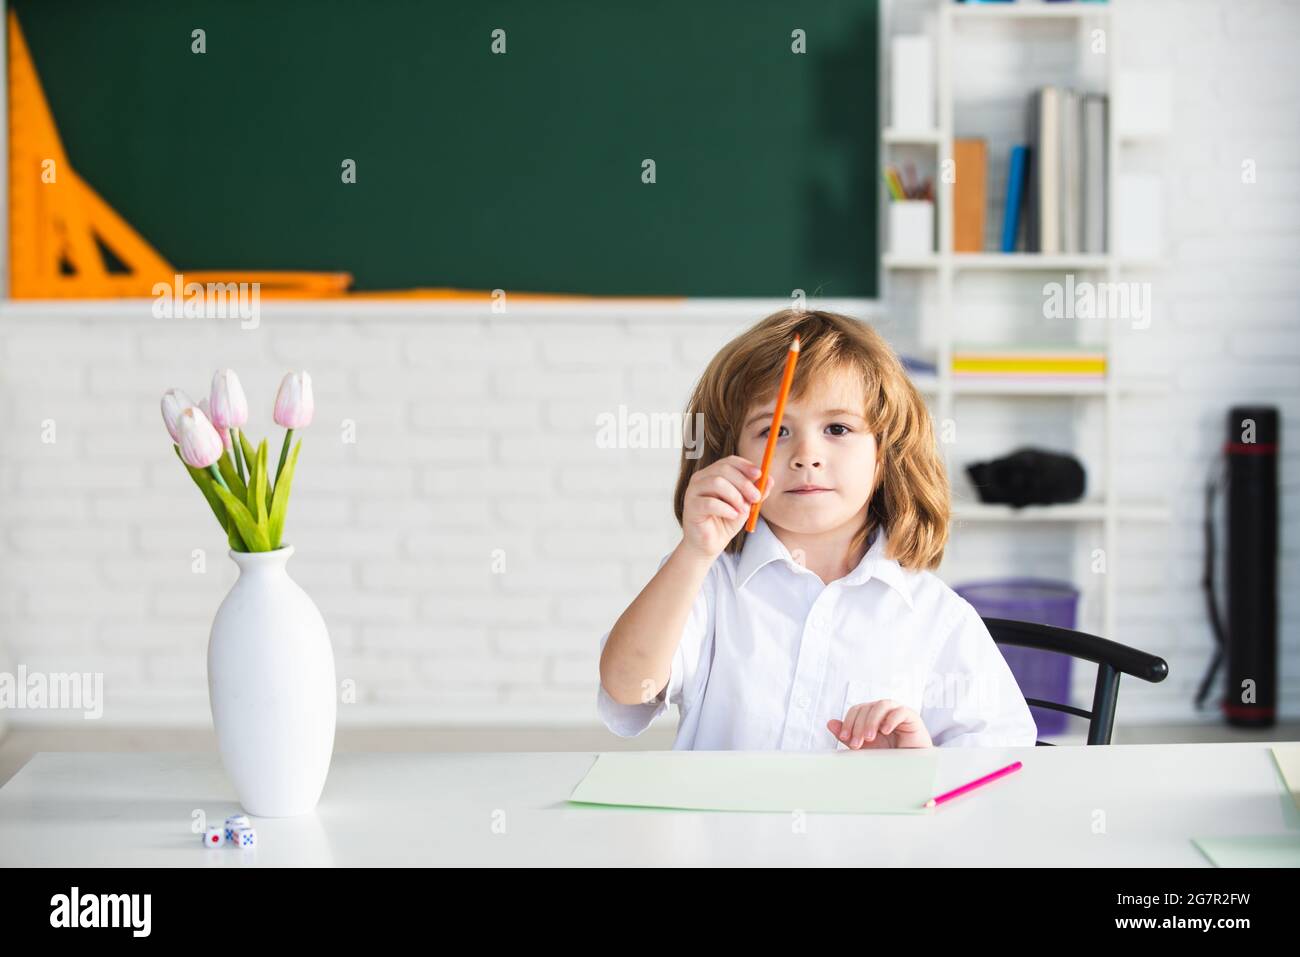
[(223, 432), (229, 406), (200, 445), (174, 402), (294, 406)]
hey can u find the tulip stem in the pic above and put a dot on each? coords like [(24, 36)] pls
[(284, 453), (237, 454), (216, 475)]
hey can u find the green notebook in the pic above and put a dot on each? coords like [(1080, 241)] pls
[(837, 782), (1262, 850), (1252, 850), (1287, 757)]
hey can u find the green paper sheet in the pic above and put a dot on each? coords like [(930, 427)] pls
[(1287, 757), (1262, 850), (1252, 850), (837, 782)]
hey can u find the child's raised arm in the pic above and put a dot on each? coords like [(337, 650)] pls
[(634, 667)]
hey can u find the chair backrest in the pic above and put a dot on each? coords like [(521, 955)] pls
[(1112, 660)]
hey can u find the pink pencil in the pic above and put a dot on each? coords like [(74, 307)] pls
[(957, 792)]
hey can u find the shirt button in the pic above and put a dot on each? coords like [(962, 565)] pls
[(804, 701)]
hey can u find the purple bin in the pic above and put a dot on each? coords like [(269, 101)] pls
[(1040, 674)]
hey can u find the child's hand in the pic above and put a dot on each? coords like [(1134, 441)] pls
[(881, 724), (716, 504)]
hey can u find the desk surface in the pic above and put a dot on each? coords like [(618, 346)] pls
[(1116, 806)]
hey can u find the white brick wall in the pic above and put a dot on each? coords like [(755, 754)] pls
[(473, 434), (477, 433)]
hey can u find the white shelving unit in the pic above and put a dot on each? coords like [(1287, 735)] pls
[(943, 267)]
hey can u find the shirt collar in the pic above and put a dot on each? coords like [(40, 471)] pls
[(763, 547)]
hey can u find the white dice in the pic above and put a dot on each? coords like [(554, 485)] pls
[(234, 822), (238, 830)]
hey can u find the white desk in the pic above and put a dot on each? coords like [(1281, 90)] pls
[(439, 809)]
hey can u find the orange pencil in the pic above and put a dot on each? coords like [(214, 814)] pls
[(787, 377)]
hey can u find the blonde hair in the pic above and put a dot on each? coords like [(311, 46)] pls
[(910, 499)]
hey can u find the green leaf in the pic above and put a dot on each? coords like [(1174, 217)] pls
[(250, 453), (247, 497), (227, 469), (232, 538), (258, 500), (203, 480), (280, 503), (251, 532), (250, 457)]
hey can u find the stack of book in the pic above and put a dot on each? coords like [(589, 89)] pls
[(1057, 182), (1059, 363)]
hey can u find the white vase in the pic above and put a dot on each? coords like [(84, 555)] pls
[(271, 686)]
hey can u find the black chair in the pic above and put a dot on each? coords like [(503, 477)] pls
[(1112, 660)]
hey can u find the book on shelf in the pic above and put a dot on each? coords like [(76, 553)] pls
[(1095, 184), (1012, 214), (1064, 178), (1049, 171), (969, 195), (917, 366), (1071, 184), (1054, 361)]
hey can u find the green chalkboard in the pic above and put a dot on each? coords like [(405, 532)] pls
[(521, 170)]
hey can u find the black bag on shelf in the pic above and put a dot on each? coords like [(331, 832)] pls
[(1028, 476)]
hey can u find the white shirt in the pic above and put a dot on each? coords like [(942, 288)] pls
[(770, 653)]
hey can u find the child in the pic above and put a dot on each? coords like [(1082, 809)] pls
[(823, 629)]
